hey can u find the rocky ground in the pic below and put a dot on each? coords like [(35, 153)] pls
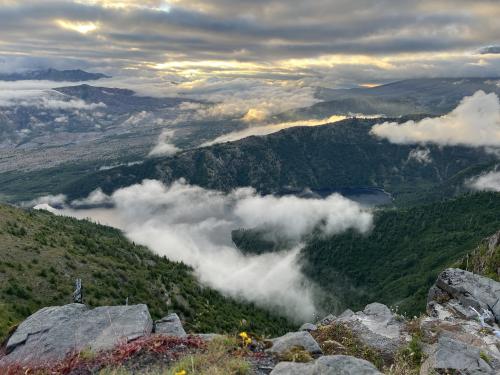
[(458, 335)]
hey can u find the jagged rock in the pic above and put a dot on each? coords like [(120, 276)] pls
[(377, 327), (462, 309), (327, 319), (328, 365), (293, 368), (346, 314), (170, 325), (294, 339), (54, 332), (309, 327), (437, 294), (471, 290), (449, 355)]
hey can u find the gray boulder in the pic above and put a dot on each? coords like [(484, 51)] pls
[(52, 333), (293, 368), (328, 365), (309, 327), (377, 327), (452, 356), (170, 325), (327, 320), (294, 339), (471, 290)]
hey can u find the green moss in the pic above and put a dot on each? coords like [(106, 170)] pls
[(485, 357)]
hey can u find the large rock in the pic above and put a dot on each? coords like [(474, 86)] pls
[(452, 356), (377, 327), (170, 325), (295, 339), (328, 365), (470, 290), (460, 315), (309, 327), (52, 333)]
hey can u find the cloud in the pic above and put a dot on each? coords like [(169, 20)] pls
[(95, 198), (475, 122), (39, 94), (164, 147), (53, 200), (246, 99), (260, 130), (489, 181), (193, 39), (193, 225), (265, 129), (422, 156)]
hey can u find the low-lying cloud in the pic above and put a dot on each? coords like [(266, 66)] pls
[(164, 145), (193, 225), (420, 155), (39, 94), (489, 181), (475, 122), (260, 130)]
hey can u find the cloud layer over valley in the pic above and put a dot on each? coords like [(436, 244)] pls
[(193, 225)]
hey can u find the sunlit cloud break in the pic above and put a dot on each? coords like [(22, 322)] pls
[(260, 130), (80, 27)]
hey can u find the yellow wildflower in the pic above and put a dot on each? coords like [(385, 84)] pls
[(182, 372), (246, 339)]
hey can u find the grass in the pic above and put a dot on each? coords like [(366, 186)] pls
[(482, 261), (42, 254), (296, 354), (337, 338), (222, 357), (408, 360)]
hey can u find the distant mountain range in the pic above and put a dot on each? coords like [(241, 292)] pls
[(430, 96), (126, 126), (75, 75), (120, 100)]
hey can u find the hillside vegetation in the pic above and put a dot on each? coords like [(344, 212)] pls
[(400, 258), (41, 255)]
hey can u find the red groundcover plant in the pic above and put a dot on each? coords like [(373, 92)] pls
[(83, 363)]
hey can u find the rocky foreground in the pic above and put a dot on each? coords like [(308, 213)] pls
[(458, 335)]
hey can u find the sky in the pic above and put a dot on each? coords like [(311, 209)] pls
[(333, 43)]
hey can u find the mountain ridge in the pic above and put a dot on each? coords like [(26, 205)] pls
[(50, 74)]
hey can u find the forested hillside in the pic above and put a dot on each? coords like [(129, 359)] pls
[(41, 255), (341, 155)]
